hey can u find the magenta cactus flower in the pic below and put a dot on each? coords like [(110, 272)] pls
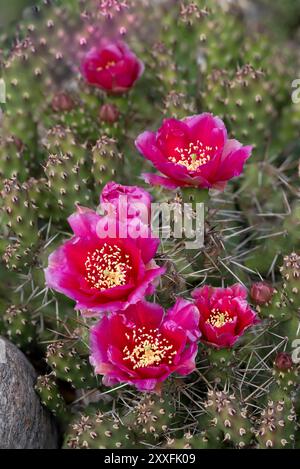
[(193, 152), (112, 66), (143, 346), (103, 272), (128, 201), (224, 314)]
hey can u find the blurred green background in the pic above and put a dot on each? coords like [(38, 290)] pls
[(11, 11)]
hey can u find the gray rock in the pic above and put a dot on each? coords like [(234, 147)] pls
[(24, 422)]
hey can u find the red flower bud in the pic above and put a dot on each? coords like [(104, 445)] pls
[(109, 113), (283, 361), (62, 102), (261, 292)]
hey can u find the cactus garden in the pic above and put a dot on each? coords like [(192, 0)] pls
[(137, 340)]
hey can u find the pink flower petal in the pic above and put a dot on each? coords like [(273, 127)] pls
[(84, 222), (160, 181)]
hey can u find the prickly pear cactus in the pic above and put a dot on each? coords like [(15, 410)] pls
[(98, 432), (142, 343)]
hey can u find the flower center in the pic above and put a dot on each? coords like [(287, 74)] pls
[(106, 66), (193, 156), (107, 267), (147, 347), (218, 318)]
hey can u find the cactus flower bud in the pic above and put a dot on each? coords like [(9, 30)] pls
[(136, 199), (261, 293), (62, 102), (283, 361), (109, 113)]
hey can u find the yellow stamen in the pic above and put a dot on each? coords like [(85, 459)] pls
[(218, 318), (107, 66), (107, 267), (194, 156), (149, 348)]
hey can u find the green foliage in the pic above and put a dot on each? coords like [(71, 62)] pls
[(50, 395), (98, 432), (68, 365)]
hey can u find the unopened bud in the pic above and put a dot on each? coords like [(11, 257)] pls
[(62, 102), (109, 113), (283, 361), (261, 292)]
